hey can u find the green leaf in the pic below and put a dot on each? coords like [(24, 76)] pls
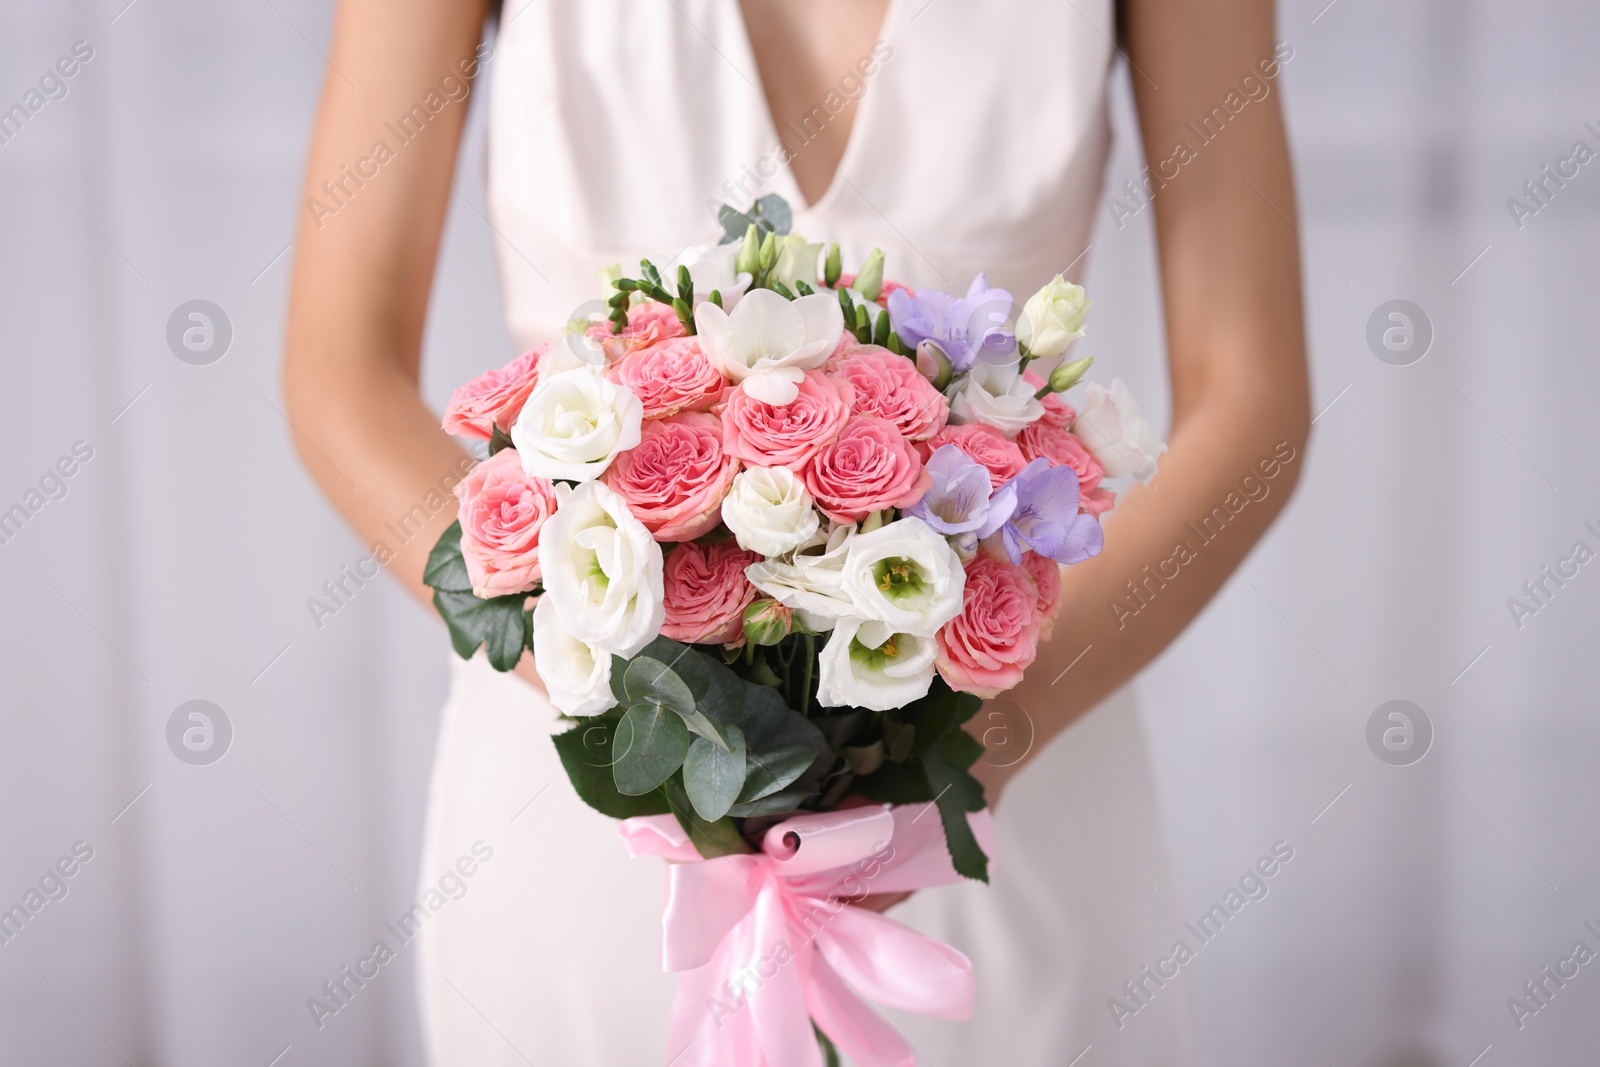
[(960, 749), (499, 624), (649, 681), (956, 792), (785, 800), (898, 738), (651, 744), (498, 438), (773, 210), (445, 568), (586, 752), (896, 783), (864, 759), (718, 837), (781, 743), (734, 223), (713, 775)]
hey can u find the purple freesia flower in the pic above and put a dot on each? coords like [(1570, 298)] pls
[(959, 328), (1046, 517), (959, 501)]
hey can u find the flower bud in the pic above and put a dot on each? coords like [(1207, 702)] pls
[(749, 252), (1052, 318), (766, 622), (831, 269), (933, 364), (869, 281), (1067, 375)]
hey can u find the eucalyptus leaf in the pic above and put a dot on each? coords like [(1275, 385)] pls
[(649, 681), (651, 743), (711, 838), (773, 210), (785, 800), (586, 753), (713, 775)]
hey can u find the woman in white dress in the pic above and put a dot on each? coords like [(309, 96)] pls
[(958, 137)]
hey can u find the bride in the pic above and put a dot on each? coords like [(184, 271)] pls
[(957, 136)]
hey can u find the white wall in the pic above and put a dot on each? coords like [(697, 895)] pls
[(178, 564)]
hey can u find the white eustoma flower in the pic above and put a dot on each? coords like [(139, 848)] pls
[(811, 582), (903, 578), (711, 269), (796, 262), (883, 676), (996, 394), (767, 343), (601, 570), (769, 510), (575, 674), (1052, 318), (1114, 431), (574, 424)]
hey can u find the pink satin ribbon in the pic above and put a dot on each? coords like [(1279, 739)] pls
[(766, 946)]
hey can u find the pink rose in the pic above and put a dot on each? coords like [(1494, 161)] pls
[(706, 592), (1063, 449), (867, 468), (648, 323), (493, 398), (985, 649), (1046, 575), (1097, 501), (787, 435), (983, 443), (890, 387), (1057, 412), (670, 377), (502, 511), (675, 478)]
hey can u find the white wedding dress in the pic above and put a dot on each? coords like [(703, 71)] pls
[(979, 145)]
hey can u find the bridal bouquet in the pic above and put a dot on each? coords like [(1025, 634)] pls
[(782, 530)]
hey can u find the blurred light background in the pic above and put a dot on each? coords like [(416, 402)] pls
[(178, 563)]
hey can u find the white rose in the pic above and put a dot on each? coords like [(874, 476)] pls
[(1052, 318), (767, 343), (891, 674), (601, 570), (769, 510), (575, 674), (796, 262), (1115, 433), (812, 582), (574, 424), (996, 394), (903, 578)]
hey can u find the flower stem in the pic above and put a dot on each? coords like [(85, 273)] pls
[(805, 688), (830, 1055)]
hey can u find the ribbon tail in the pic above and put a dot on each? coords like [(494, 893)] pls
[(851, 1024), (711, 1023), (781, 963), (892, 964)]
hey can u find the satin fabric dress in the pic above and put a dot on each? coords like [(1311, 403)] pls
[(979, 144)]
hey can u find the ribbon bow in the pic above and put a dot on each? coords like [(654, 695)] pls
[(767, 945)]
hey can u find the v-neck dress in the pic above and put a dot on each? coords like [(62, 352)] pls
[(979, 143)]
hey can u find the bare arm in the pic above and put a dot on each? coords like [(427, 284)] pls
[(364, 264), (1230, 276)]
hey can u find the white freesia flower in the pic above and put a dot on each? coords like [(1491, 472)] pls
[(769, 510), (574, 424), (767, 343), (1111, 427), (996, 394), (888, 675), (903, 578), (796, 262), (1052, 318), (812, 581), (602, 570), (575, 674), (711, 269)]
